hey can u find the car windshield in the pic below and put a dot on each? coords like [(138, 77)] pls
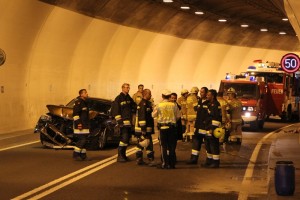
[(243, 90), (94, 104)]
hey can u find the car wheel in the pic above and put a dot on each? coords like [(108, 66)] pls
[(44, 140), (102, 139)]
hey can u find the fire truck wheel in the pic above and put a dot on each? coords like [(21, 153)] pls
[(254, 125)]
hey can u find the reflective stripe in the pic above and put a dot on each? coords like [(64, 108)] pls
[(195, 152), (236, 120), (142, 123), (138, 129), (76, 149), (82, 131), (76, 117), (123, 103), (216, 123), (148, 151), (149, 129), (84, 108), (216, 157), (202, 131), (208, 155), (126, 122), (118, 117), (83, 151), (122, 144), (205, 106), (164, 127)]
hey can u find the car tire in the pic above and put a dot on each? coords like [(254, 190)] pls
[(102, 141)]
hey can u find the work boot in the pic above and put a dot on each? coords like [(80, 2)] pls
[(124, 153), (76, 156), (139, 158), (150, 157), (208, 162), (83, 154), (215, 164), (193, 160), (121, 157)]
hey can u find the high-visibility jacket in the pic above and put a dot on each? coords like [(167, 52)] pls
[(182, 101), (191, 102)]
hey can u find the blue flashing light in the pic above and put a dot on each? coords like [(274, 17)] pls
[(252, 67), (227, 77), (252, 78)]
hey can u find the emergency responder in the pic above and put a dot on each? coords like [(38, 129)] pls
[(173, 99), (200, 126), (81, 125), (225, 115), (182, 103), (137, 97), (191, 102), (122, 110), (235, 110), (145, 129), (214, 123), (167, 113)]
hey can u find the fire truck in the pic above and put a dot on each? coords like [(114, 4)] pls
[(265, 91)]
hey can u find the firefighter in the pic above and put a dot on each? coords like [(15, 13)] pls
[(225, 115), (235, 110), (191, 102), (182, 103), (122, 110), (137, 97), (167, 113), (81, 125), (214, 123), (145, 129), (200, 126)]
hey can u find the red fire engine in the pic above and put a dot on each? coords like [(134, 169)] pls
[(265, 91)]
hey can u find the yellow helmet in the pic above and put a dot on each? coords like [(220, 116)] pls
[(184, 91), (194, 90), (231, 90), (219, 132)]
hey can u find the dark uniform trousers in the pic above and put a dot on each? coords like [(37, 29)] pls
[(168, 139)]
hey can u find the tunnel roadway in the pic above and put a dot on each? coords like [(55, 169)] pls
[(29, 171)]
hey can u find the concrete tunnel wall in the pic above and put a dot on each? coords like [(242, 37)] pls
[(52, 53)]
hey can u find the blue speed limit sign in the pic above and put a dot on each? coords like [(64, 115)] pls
[(290, 63)]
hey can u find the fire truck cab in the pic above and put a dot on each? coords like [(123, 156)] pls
[(265, 91), (252, 94)]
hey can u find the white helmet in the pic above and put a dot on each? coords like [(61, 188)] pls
[(227, 126)]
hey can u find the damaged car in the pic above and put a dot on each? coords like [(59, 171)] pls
[(56, 126)]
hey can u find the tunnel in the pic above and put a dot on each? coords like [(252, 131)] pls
[(53, 48)]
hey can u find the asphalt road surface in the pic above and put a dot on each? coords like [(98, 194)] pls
[(29, 171)]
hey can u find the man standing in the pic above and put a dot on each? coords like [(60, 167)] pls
[(145, 129), (214, 121), (167, 114), (122, 110), (235, 109), (137, 97), (191, 102), (200, 126), (182, 103), (81, 125)]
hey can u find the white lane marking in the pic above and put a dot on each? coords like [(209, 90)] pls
[(87, 171), (243, 195), (20, 145)]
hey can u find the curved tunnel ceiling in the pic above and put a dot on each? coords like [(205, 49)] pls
[(168, 18)]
